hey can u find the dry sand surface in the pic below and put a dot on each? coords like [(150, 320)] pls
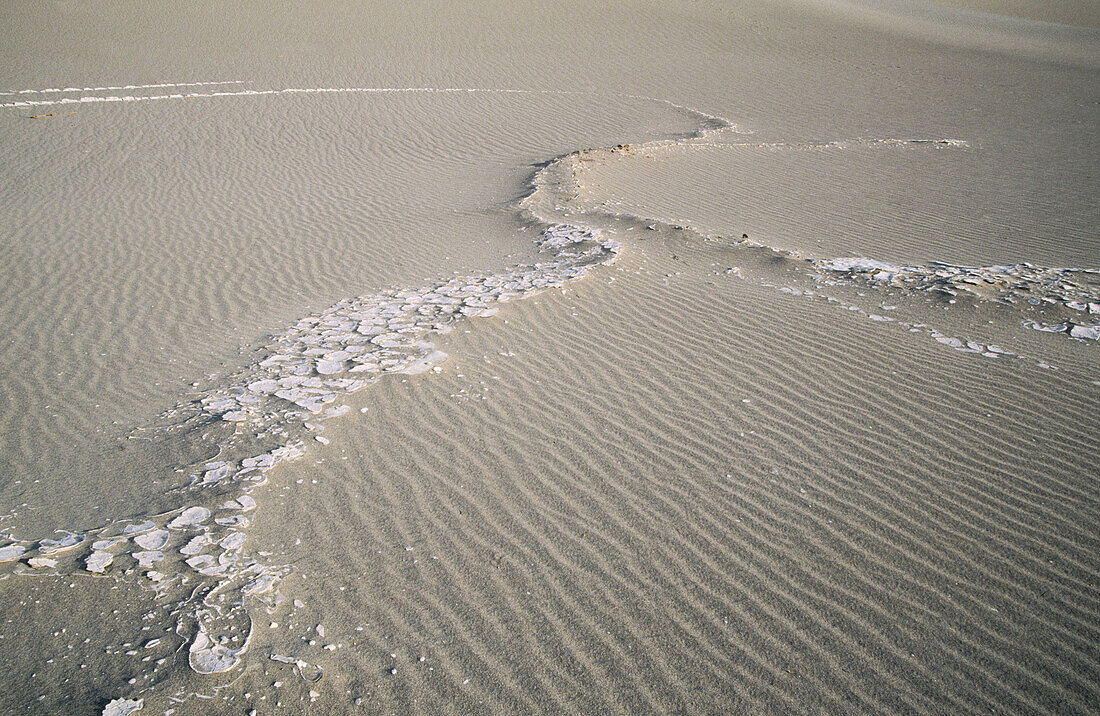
[(576, 357)]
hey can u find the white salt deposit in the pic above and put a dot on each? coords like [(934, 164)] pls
[(1073, 288), (1022, 284), (207, 656), (98, 561), (857, 264), (232, 541), (190, 517), (260, 585), (1088, 333), (215, 471), (330, 367), (50, 546), (246, 503), (107, 543), (152, 540), (11, 551), (145, 559), (122, 707), (948, 340), (197, 544), (200, 561)]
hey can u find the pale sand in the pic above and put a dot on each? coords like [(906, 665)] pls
[(687, 482), (1067, 12)]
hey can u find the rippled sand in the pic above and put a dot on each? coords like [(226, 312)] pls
[(690, 357)]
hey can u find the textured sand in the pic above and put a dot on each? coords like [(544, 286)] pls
[(251, 212), (1068, 12), (709, 477)]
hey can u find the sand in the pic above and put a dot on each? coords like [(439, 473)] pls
[(701, 460)]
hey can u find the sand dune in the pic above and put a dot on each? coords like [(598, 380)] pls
[(416, 360)]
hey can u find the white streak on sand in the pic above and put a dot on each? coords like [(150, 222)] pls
[(287, 90), (162, 85), (721, 122)]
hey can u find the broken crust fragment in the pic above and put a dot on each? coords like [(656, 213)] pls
[(122, 707), (209, 657)]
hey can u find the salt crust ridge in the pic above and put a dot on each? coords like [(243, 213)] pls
[(1075, 289), (321, 359)]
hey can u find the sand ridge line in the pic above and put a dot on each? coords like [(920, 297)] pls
[(111, 88), (832, 144), (711, 118)]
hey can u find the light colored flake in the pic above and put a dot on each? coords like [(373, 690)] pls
[(206, 656), (264, 386), (949, 341), (42, 562), (98, 561), (200, 561), (152, 540), (190, 517), (232, 541), (215, 473), (233, 521), (107, 543), (49, 546), (11, 551), (261, 584), (1089, 333), (122, 707), (243, 503), (330, 367), (856, 263), (145, 559), (336, 412), (197, 544)]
